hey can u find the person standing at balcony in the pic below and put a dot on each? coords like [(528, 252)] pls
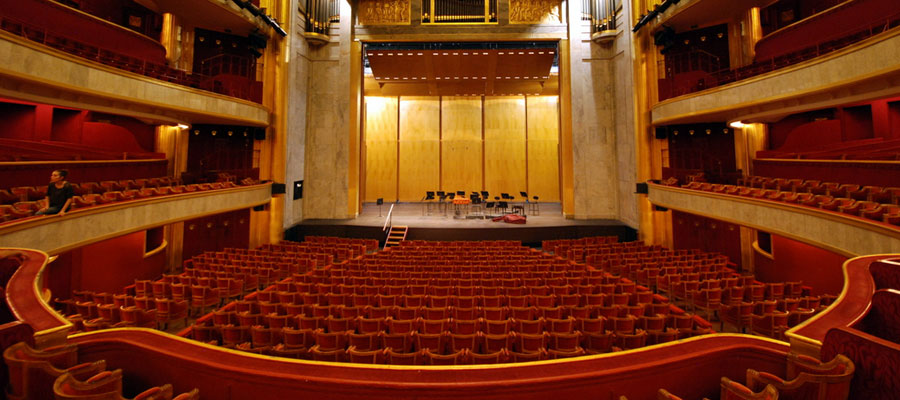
[(59, 194)]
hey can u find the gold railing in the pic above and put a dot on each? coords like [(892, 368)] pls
[(459, 11), (320, 14)]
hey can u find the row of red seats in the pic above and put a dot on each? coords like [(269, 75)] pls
[(882, 212), (804, 378), (54, 372), (25, 209), (319, 259)]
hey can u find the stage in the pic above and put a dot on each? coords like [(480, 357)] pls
[(437, 223)]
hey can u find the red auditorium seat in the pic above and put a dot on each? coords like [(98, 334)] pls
[(404, 358), (32, 372), (103, 385), (819, 381), (735, 391), (362, 356)]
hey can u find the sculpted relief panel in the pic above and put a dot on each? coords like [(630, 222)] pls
[(384, 12), (534, 11)]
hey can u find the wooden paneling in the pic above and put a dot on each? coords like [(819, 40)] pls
[(461, 148), (442, 146), (504, 145), (381, 148), (543, 148), (420, 153)]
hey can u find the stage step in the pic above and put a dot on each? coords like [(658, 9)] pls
[(395, 236)]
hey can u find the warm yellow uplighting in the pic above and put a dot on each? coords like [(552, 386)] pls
[(737, 124)]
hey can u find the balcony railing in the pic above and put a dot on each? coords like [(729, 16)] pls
[(671, 87), (117, 60), (459, 11)]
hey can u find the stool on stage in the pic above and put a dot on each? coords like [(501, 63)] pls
[(461, 206)]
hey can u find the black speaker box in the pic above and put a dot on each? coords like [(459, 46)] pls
[(662, 132), (298, 190), (278, 188), (660, 208), (259, 133), (641, 188)]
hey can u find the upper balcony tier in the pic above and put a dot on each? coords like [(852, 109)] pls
[(38, 73), (867, 70)]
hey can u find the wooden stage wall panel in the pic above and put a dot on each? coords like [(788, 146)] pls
[(543, 148), (419, 144), (504, 145), (381, 148), (461, 148), (420, 147)]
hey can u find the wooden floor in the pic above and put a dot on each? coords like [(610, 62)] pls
[(432, 222)]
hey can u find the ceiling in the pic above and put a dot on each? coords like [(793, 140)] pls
[(461, 71)]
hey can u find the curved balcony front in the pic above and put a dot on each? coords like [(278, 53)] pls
[(38, 73), (57, 234), (867, 70), (840, 233)]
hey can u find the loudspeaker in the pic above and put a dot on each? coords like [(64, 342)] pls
[(379, 201), (257, 40), (259, 133), (664, 38), (298, 190), (660, 208), (641, 188), (662, 132), (278, 188), (261, 207)]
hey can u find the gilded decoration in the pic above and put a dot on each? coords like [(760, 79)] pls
[(384, 12), (534, 11)]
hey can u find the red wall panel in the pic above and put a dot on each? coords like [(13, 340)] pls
[(797, 261)]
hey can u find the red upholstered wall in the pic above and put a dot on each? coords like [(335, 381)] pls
[(106, 266), (17, 120), (110, 137), (213, 233), (835, 23), (66, 22), (797, 261), (695, 232), (808, 135), (882, 174)]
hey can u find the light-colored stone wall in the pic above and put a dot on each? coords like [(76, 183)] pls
[(593, 101), (626, 141), (297, 118), (326, 170)]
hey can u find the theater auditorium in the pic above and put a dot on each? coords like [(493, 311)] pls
[(443, 199)]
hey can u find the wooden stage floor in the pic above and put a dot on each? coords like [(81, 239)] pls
[(437, 224)]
